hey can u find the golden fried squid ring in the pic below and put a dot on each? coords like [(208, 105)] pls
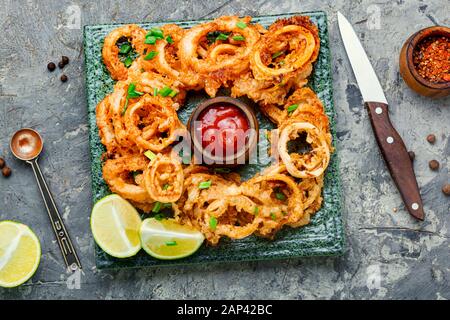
[(224, 64), (311, 164), (152, 123), (288, 47), (124, 177), (147, 82), (279, 199), (271, 93), (110, 51), (164, 179), (167, 62), (118, 102)]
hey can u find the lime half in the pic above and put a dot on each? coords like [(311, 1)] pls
[(20, 253), (115, 226), (168, 240)]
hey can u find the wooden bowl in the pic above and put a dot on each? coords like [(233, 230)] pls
[(409, 72), (243, 155)]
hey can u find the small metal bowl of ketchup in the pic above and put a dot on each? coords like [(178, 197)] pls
[(224, 132)]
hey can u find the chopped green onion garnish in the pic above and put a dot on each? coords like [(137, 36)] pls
[(186, 160), (212, 223), (255, 211), (277, 54), (169, 40), (151, 55), (292, 108), (165, 187), (157, 32), (222, 170), (204, 184), (171, 243), (149, 154), (158, 216), (273, 216), (238, 38), (125, 48), (150, 40), (128, 61), (124, 110), (222, 37), (156, 207), (280, 196), (173, 94), (164, 92), (284, 213), (155, 92), (241, 25), (167, 205), (135, 174)]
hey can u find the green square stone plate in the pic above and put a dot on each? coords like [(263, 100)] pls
[(324, 236)]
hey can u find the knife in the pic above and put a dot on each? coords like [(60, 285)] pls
[(391, 144)]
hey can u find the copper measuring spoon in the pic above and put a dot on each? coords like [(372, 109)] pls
[(26, 145)]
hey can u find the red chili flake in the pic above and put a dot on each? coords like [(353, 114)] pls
[(432, 59)]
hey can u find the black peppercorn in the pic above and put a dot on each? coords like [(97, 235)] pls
[(434, 165), (51, 66), (446, 189), (6, 171), (64, 78), (431, 138), (61, 64), (65, 60)]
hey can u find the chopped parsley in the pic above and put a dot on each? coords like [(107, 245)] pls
[(273, 216), (255, 211)]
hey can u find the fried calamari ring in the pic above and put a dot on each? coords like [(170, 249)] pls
[(110, 51), (269, 92), (152, 123), (279, 201), (124, 177), (219, 63), (164, 178), (106, 130), (167, 62), (118, 105), (148, 82), (311, 164), (288, 47)]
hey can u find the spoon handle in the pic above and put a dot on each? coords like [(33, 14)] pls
[(62, 236)]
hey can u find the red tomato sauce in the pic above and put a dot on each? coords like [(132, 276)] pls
[(221, 126)]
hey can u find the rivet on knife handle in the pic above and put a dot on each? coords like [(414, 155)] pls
[(396, 156)]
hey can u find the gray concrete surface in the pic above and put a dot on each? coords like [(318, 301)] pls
[(389, 255)]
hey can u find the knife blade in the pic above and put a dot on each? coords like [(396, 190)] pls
[(392, 147)]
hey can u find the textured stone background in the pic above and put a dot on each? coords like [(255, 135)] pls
[(389, 255)]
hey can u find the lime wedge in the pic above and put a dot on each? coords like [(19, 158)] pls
[(115, 225), (20, 254), (168, 240)]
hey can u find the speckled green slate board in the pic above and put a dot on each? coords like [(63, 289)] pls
[(323, 236)]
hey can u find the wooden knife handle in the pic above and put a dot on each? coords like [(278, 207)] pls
[(396, 156)]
